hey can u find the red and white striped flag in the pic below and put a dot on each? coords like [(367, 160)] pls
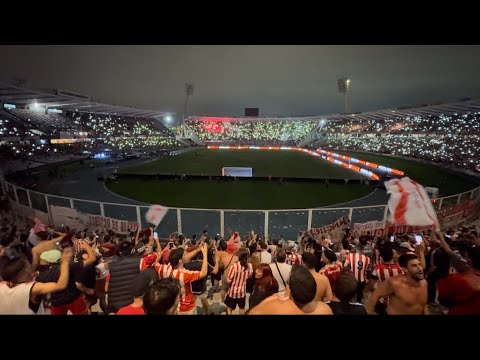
[(155, 214), (409, 204)]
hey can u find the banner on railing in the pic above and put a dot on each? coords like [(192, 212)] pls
[(74, 219), (27, 212), (379, 228), (340, 224), (369, 228)]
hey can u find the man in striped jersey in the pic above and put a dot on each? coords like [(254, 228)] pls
[(237, 279), (293, 257), (186, 277), (357, 263), (381, 272), (332, 269), (408, 292), (165, 270)]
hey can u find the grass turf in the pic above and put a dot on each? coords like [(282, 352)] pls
[(245, 194), (264, 163), (266, 195)]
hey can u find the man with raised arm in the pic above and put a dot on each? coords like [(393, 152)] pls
[(408, 292)]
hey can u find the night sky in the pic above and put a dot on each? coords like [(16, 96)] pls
[(280, 80)]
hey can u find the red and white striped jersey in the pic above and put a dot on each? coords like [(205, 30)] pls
[(377, 259), (148, 261), (238, 276), (185, 278), (164, 271), (385, 271), (294, 259), (358, 264), (332, 272), (77, 246)]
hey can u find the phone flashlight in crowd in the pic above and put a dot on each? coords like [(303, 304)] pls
[(155, 234), (392, 238), (418, 239)]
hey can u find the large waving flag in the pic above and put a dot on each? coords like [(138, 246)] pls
[(155, 214), (409, 204)]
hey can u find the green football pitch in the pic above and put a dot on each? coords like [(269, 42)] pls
[(249, 194)]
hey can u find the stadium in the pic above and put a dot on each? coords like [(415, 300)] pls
[(310, 171), (72, 162)]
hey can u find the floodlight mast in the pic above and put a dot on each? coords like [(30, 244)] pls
[(344, 88), (189, 87)]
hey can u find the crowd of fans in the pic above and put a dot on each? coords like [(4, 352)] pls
[(436, 124), (270, 132), (452, 140), (69, 271), (459, 151), (29, 134)]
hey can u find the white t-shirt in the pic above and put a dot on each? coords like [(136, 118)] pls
[(285, 269), (15, 300), (265, 257), (33, 238), (103, 272)]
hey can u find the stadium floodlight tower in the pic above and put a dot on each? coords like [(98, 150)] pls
[(188, 91), (344, 88)]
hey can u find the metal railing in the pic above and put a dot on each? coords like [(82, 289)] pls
[(271, 223)]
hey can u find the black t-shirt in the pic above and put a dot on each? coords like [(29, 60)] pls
[(340, 308), (70, 293), (87, 276), (257, 297), (199, 286)]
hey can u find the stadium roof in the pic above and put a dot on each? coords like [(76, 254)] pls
[(461, 106), (68, 101)]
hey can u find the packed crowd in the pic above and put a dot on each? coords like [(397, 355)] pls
[(269, 131), (452, 150), (28, 134), (441, 124), (68, 271), (114, 126)]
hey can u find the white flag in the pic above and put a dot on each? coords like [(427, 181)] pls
[(409, 204), (155, 214)]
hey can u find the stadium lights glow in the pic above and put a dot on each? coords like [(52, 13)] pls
[(337, 162), (168, 118)]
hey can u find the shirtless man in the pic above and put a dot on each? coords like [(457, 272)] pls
[(324, 290), (223, 261), (408, 293), (301, 297)]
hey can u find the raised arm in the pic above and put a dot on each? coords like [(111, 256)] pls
[(45, 288), (385, 289), (217, 262), (204, 270), (36, 252), (443, 244), (138, 234), (91, 255)]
